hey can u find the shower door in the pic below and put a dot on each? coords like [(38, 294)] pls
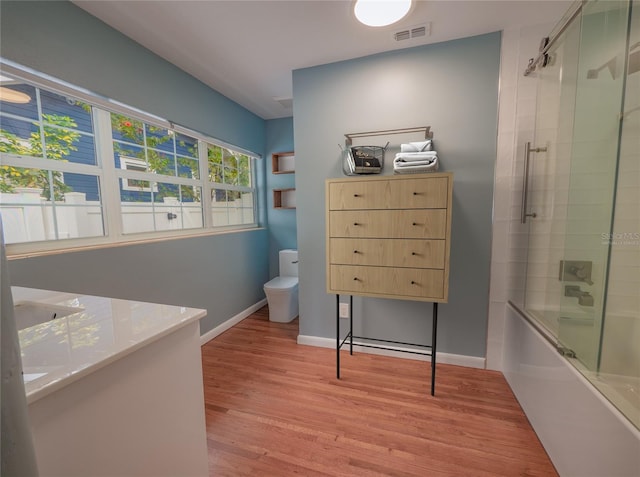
[(572, 166)]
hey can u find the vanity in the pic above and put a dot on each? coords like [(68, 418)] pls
[(114, 387)]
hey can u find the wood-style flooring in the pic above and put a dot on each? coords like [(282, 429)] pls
[(275, 408)]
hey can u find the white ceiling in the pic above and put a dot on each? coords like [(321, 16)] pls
[(247, 49)]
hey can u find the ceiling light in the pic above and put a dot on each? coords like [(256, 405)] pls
[(13, 96), (377, 13)]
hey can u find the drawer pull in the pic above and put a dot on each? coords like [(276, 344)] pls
[(356, 279), (417, 193), (356, 195), (414, 253), (412, 282), (355, 251), (356, 223), (415, 223)]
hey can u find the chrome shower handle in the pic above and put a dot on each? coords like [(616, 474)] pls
[(525, 180)]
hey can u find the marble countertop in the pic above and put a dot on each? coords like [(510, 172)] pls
[(58, 352)]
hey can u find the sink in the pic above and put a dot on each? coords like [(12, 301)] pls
[(31, 313)]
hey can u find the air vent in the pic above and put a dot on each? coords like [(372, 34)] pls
[(413, 32), (402, 35), (284, 101), (420, 31)]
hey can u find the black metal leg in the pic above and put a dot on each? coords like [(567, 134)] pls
[(351, 324), (434, 334), (338, 336)]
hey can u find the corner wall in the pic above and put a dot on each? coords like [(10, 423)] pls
[(450, 86), (282, 222)]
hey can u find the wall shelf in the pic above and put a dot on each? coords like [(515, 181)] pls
[(283, 162), (284, 198)]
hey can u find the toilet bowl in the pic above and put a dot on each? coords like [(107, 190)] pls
[(282, 291)]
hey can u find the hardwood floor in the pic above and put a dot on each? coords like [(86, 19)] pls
[(275, 408)]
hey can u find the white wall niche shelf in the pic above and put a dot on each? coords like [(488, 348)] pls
[(283, 162), (284, 198)]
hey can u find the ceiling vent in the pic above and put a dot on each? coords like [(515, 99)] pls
[(284, 101), (413, 32)]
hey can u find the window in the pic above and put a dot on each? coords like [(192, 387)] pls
[(50, 187), (71, 169), (232, 195)]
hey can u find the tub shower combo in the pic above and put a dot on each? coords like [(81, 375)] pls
[(576, 244)]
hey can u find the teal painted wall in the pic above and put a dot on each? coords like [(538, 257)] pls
[(282, 223), (64, 41), (222, 273), (451, 86)]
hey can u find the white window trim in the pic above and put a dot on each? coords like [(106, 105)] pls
[(109, 176)]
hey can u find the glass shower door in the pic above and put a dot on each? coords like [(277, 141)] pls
[(546, 175), (582, 203), (572, 176), (592, 172)]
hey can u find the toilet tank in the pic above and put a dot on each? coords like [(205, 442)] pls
[(288, 263)]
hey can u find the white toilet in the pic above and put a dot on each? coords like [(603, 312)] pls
[(282, 291)]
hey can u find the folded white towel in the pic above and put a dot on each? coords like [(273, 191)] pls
[(401, 164), (416, 156), (417, 146), (414, 162), (415, 169)]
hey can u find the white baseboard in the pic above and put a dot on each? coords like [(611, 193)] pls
[(445, 358), (221, 328)]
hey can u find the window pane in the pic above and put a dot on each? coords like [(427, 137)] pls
[(162, 206), (191, 207), (186, 146), (63, 138), (60, 108), (244, 171), (128, 152), (17, 98), (188, 167), (159, 138), (78, 206), (214, 158), (161, 163), (240, 208), (126, 129), (36, 180), (229, 207), (219, 209), (69, 145), (136, 206), (134, 190), (20, 137), (30, 215), (229, 159)]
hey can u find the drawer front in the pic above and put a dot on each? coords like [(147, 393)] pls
[(425, 193), (407, 253), (418, 224), (398, 282), (359, 195)]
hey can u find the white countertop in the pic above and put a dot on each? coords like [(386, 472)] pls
[(61, 351)]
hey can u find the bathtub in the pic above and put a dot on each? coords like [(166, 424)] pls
[(583, 433)]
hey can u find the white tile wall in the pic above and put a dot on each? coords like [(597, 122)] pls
[(515, 126)]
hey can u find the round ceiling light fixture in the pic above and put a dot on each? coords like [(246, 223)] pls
[(378, 13)]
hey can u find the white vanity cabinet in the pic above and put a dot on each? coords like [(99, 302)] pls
[(115, 389)]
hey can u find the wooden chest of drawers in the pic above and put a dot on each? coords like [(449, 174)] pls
[(389, 236)]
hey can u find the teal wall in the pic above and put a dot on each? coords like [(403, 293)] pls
[(451, 86), (64, 41), (221, 273), (282, 223)]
